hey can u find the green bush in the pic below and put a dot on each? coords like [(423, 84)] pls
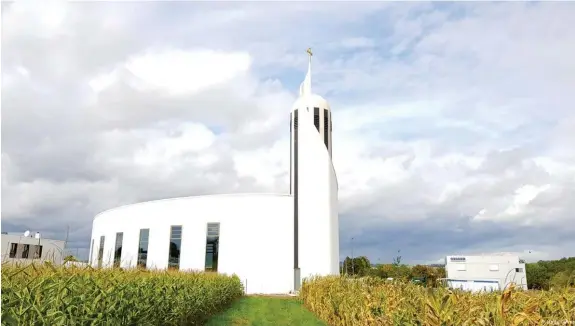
[(47, 295)]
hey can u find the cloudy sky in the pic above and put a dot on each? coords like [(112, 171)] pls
[(454, 124)]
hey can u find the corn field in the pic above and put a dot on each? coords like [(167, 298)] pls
[(372, 301), (47, 295)]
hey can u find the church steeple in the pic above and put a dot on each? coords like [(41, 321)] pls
[(305, 86), (310, 128)]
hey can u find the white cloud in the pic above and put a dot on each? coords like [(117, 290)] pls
[(179, 72)]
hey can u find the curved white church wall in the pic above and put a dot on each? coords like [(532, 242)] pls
[(256, 236), (318, 198)]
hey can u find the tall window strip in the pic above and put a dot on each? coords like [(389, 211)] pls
[(295, 121), (212, 247), (316, 118), (101, 251), (143, 247), (175, 246), (118, 249), (296, 198), (326, 128), (330, 133), (90, 255)]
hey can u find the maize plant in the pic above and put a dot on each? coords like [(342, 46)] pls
[(347, 301), (47, 295)]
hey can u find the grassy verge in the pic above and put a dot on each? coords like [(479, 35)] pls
[(262, 310)]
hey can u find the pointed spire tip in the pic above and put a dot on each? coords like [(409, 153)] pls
[(305, 87)]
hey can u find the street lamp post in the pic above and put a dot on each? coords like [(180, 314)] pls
[(352, 261)]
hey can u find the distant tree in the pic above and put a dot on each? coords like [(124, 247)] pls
[(537, 276), (362, 265), (388, 270), (546, 274), (420, 271), (358, 266), (560, 280), (382, 270), (434, 274), (428, 274), (70, 258), (441, 272), (402, 272)]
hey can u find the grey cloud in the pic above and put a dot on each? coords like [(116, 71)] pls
[(435, 238)]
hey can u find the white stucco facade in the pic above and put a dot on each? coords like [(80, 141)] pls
[(256, 236), (482, 272), (271, 241)]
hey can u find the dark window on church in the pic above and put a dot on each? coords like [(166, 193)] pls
[(175, 247), (118, 248), (91, 252), (101, 251), (326, 128), (316, 118), (212, 247), (143, 248)]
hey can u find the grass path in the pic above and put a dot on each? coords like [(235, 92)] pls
[(263, 311)]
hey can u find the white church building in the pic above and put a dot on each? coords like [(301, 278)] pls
[(270, 241)]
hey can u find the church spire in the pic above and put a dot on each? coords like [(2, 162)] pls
[(305, 87)]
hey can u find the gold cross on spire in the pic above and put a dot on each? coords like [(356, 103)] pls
[(309, 52)]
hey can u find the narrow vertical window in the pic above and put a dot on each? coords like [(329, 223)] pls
[(37, 252), (13, 250), (326, 128), (212, 246), (25, 251), (316, 118), (143, 248), (330, 133), (295, 199), (101, 251), (90, 256), (118, 248), (175, 246)]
